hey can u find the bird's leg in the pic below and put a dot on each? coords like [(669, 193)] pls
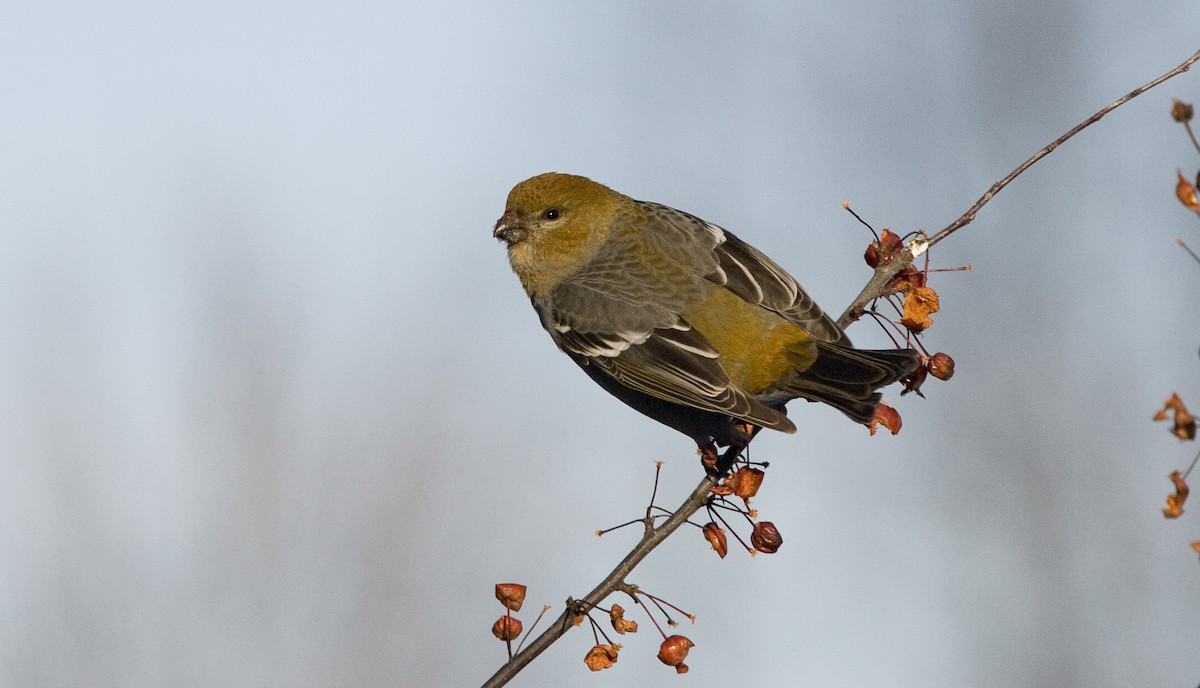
[(709, 457), (729, 458), (739, 438), (736, 437)]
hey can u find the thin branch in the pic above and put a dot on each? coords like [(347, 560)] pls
[(1179, 242), (1191, 135), (876, 287), (967, 217), (1191, 466), (613, 582)]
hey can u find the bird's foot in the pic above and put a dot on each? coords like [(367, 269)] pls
[(736, 438)]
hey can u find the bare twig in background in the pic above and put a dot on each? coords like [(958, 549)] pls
[(1179, 242), (875, 288)]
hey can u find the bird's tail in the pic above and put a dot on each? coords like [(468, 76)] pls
[(847, 378)]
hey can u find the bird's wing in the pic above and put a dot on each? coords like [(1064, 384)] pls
[(739, 267), (621, 313), (673, 363)]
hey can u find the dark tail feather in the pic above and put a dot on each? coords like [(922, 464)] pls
[(847, 378)]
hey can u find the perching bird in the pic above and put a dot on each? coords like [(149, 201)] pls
[(679, 318)]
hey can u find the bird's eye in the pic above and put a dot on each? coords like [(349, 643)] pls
[(551, 214)]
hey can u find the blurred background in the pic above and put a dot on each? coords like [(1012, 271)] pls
[(275, 412)]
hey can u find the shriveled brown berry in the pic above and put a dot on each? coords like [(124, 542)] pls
[(765, 537), (506, 628), (619, 623), (716, 538), (1185, 423), (722, 490), (941, 366), (1185, 190), (1180, 111), (746, 482), (886, 416), (674, 650), (601, 656), (919, 304), (871, 255), (908, 279), (1174, 508), (511, 595), (883, 251)]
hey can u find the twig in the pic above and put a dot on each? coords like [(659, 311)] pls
[(1191, 135), (876, 287), (968, 216), (653, 536), (613, 582), (1179, 242), (1191, 466)]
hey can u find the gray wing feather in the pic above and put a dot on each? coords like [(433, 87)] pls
[(747, 272), (675, 364)]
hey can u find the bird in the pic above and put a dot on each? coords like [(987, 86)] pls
[(679, 318)]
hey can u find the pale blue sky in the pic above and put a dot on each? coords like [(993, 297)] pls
[(274, 412)]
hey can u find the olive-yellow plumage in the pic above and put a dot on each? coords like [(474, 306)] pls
[(757, 362), (676, 316)]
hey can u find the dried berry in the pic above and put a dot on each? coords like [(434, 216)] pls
[(1174, 508), (886, 416), (883, 251), (746, 482), (716, 538), (511, 595), (941, 366), (907, 279), (601, 656), (765, 537), (506, 628), (1185, 423), (1180, 111), (619, 623), (673, 651), (1186, 192), (722, 490), (919, 304)]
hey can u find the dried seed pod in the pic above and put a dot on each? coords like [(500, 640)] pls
[(1186, 192), (886, 416), (619, 623), (941, 366), (716, 538), (511, 595), (674, 650), (884, 250), (746, 482), (601, 656), (765, 537), (506, 628), (1180, 111)]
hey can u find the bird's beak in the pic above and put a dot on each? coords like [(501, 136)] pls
[(508, 228)]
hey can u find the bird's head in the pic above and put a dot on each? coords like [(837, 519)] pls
[(553, 224)]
